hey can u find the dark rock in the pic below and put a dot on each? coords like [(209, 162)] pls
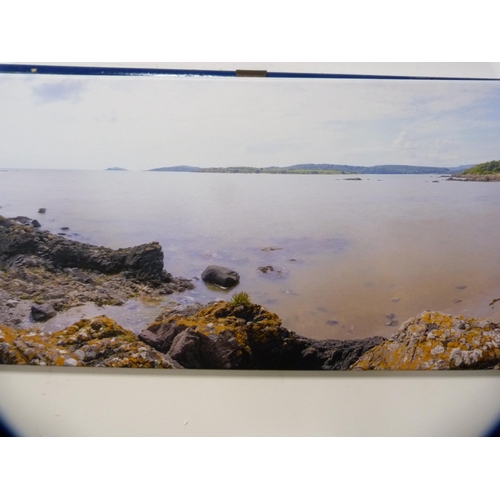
[(143, 261), (353, 179), (221, 276), (22, 220), (65, 228), (278, 271), (161, 335), (225, 352), (42, 267), (334, 354), (42, 210), (189, 349), (42, 312), (222, 335), (332, 322), (35, 223), (392, 320), (265, 269)]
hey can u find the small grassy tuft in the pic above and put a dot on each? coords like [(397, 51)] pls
[(241, 299)]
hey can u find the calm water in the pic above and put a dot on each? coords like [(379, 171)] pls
[(352, 254)]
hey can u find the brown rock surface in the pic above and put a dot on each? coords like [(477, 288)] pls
[(437, 341), (90, 342)]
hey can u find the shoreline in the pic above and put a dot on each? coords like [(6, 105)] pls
[(234, 334), (475, 178)]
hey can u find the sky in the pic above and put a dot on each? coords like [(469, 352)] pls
[(139, 123)]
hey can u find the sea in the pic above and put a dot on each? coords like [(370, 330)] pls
[(333, 257)]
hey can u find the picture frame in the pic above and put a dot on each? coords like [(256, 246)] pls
[(239, 348)]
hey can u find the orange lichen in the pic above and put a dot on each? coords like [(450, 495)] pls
[(437, 341), (89, 342)]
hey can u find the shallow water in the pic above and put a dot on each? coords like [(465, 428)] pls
[(352, 256)]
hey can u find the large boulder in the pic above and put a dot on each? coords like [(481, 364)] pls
[(437, 341), (222, 276), (142, 261), (227, 335)]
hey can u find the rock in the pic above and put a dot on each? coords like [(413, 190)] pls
[(265, 269), (143, 261), (221, 276), (35, 264), (42, 210), (161, 335), (65, 228), (274, 271), (22, 220), (227, 336), (271, 249), (392, 320), (35, 223), (190, 349), (89, 342), (437, 341), (353, 179), (42, 312)]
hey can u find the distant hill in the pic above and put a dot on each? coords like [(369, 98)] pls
[(116, 169), (179, 168), (318, 168)]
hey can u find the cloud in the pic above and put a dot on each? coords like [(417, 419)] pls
[(66, 90), (402, 141)]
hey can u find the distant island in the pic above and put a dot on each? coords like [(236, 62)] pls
[(317, 168), (116, 169)]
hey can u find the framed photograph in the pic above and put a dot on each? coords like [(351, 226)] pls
[(248, 221)]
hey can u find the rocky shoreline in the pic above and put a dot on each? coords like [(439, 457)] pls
[(42, 273), (38, 267), (475, 178)]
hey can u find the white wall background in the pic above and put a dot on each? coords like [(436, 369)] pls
[(96, 402)]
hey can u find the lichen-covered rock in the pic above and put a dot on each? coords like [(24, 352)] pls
[(437, 341), (227, 335), (90, 342)]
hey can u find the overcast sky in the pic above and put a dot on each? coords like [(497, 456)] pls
[(140, 123)]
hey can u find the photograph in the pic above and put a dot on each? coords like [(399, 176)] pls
[(249, 223)]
